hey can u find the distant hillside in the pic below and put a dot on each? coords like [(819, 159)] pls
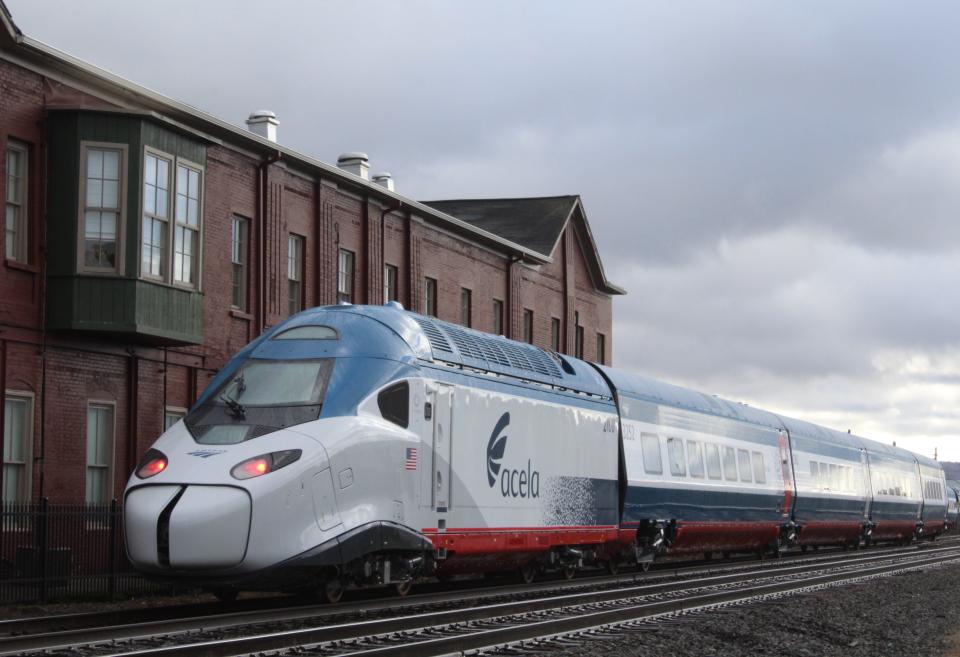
[(951, 469)]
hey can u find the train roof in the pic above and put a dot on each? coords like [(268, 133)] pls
[(658, 392)]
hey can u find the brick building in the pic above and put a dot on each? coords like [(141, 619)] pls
[(146, 241)]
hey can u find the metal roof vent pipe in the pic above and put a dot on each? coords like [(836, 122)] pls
[(356, 163), (263, 123), (384, 180)]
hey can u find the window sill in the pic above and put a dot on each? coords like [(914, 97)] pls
[(23, 266), (239, 314)]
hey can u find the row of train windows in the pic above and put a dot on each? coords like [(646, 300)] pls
[(830, 476), (894, 485), (691, 459), (933, 490)]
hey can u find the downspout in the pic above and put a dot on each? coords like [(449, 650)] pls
[(261, 235), (513, 260), (42, 466), (383, 244)]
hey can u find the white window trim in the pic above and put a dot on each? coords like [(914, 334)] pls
[(82, 268), (301, 242), (172, 223), (349, 279), (198, 255), (28, 428), (244, 254), (169, 220), (113, 445), (24, 205), (173, 410)]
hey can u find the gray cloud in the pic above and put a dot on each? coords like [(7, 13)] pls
[(776, 185)]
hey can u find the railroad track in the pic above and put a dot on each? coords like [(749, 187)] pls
[(472, 620)]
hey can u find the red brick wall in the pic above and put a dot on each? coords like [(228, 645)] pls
[(141, 380)]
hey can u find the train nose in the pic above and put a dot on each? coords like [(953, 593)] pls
[(187, 526)]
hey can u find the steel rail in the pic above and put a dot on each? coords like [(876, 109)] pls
[(419, 622), (17, 635)]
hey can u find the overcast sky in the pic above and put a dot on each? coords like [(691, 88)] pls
[(777, 185)]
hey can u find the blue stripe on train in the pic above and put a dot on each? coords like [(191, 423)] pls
[(645, 502), (825, 509)]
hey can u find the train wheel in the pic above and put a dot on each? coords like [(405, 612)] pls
[(645, 566), (403, 588), (569, 572), (528, 572), (613, 566), (333, 591)]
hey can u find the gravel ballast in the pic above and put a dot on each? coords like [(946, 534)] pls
[(915, 614)]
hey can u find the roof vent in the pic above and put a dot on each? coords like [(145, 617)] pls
[(384, 180), (263, 123), (356, 163)]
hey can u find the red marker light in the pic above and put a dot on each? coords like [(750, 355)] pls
[(153, 463)]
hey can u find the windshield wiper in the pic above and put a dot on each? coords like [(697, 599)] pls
[(234, 407)]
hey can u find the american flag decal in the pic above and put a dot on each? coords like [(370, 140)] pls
[(411, 462)]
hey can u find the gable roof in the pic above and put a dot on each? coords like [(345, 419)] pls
[(536, 223)]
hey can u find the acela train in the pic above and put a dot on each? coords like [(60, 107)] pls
[(367, 445)]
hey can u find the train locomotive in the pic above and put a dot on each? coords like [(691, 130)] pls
[(368, 445)]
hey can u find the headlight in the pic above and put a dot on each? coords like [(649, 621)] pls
[(261, 465), (154, 462)]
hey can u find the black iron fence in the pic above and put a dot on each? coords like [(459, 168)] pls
[(60, 551)]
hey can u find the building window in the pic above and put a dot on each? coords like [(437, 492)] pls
[(578, 342), (156, 215), (497, 317), (345, 276), (238, 257), (16, 208), (295, 272), (601, 349), (186, 242), (172, 415), (389, 283), (466, 307), (102, 203), (430, 297), (528, 325), (99, 453), (555, 334), (17, 446)]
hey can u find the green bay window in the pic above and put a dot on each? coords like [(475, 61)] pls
[(187, 236)]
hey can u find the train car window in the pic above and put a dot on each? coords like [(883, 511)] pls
[(308, 333), (675, 454), (652, 461), (394, 403), (695, 459), (759, 469), (729, 464), (815, 474), (834, 477), (713, 461), (743, 460)]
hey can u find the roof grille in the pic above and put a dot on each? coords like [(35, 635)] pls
[(492, 352), (437, 340)]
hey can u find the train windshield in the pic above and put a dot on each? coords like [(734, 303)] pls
[(261, 397)]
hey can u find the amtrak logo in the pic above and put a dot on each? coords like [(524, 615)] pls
[(513, 483), (207, 453)]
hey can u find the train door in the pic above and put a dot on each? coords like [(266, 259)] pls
[(789, 478), (441, 399)]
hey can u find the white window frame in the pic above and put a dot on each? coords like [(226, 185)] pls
[(173, 411), (466, 294), (239, 245), (176, 224), (296, 248), (113, 448), (166, 219), (428, 299), (27, 483), (498, 316), (345, 277), (20, 249), (390, 283), (123, 149)]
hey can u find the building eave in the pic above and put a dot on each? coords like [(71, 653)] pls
[(113, 86)]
